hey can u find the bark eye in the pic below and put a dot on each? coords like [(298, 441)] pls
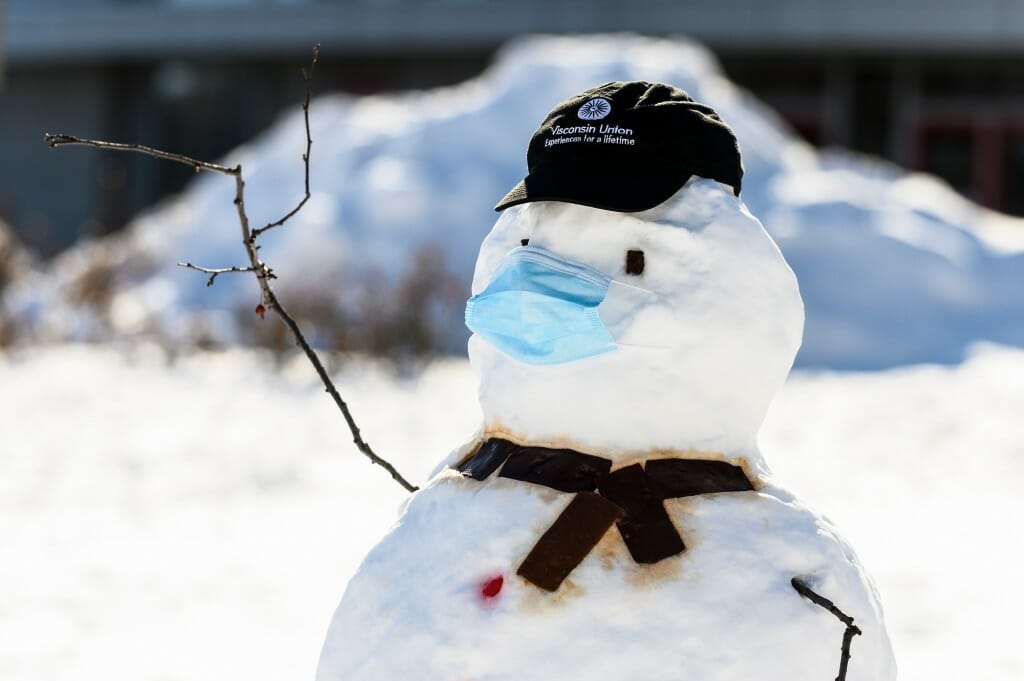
[(524, 242), (634, 262)]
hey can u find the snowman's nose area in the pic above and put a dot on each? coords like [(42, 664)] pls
[(541, 308)]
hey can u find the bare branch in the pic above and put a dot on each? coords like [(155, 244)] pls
[(70, 140), (851, 629), (308, 75), (263, 273), (357, 437), (215, 272), (804, 590)]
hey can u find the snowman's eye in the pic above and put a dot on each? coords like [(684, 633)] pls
[(524, 242), (634, 262)]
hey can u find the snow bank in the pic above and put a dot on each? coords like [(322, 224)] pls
[(894, 268), (159, 524)]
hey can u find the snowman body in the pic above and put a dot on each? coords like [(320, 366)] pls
[(701, 338)]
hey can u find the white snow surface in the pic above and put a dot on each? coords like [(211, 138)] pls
[(894, 268), (196, 519), (722, 610), (704, 338)]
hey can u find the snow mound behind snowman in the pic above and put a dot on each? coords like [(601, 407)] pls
[(894, 268)]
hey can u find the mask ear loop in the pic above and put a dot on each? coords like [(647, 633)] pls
[(634, 287), (644, 347), (649, 292)]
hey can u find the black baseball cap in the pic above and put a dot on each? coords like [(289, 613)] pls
[(626, 146)]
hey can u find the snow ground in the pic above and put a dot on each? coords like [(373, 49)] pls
[(198, 518)]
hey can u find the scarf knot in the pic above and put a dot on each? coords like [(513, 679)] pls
[(631, 497)]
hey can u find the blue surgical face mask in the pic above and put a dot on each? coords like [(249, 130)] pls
[(542, 309)]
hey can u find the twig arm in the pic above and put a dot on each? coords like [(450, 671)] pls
[(215, 272), (314, 359), (852, 629), (256, 266), (70, 140), (307, 73)]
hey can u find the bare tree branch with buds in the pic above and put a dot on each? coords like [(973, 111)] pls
[(264, 274)]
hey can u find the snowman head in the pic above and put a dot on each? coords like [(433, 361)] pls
[(664, 329)]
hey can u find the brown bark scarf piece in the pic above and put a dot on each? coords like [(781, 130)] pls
[(567, 542), (646, 528), (632, 497)]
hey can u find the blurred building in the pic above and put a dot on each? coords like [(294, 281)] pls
[(931, 84)]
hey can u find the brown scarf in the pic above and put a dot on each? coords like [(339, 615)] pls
[(631, 497)]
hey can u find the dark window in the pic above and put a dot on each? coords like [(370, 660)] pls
[(1013, 177), (872, 104), (949, 154)]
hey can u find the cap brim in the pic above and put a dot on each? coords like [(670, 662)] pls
[(597, 187)]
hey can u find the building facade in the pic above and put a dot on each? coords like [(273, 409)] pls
[(936, 85)]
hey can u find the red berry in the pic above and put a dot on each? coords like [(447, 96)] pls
[(492, 587), (260, 310)]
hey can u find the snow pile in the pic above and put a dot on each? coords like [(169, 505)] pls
[(159, 523), (894, 268)]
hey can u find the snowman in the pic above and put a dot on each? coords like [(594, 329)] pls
[(614, 518)]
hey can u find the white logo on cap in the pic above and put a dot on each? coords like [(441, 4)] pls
[(596, 109)]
